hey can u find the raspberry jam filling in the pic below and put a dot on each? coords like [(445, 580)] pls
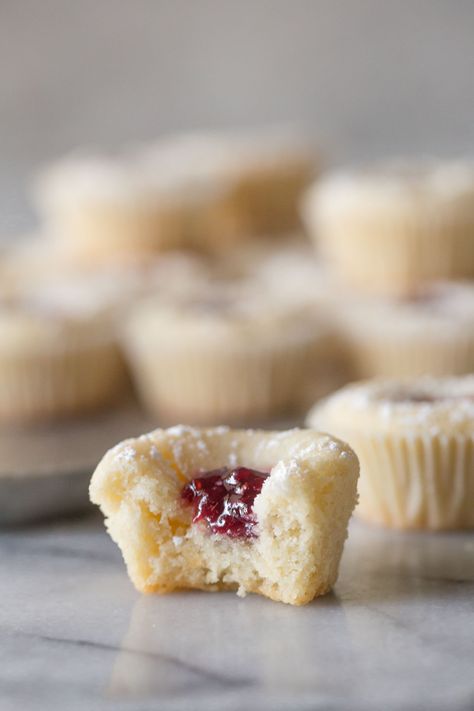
[(224, 498)]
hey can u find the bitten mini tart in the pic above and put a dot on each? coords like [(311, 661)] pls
[(389, 228), (415, 442), (224, 354), (431, 333), (220, 509), (57, 357)]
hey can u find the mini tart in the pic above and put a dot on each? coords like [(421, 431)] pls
[(258, 180), (299, 518), (415, 442), (222, 355), (55, 361), (388, 228), (431, 333), (100, 208)]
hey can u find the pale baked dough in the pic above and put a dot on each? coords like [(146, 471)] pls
[(415, 442), (302, 511)]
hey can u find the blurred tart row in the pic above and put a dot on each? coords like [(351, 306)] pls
[(211, 340), (385, 229), (198, 191)]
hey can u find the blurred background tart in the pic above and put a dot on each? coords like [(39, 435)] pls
[(230, 354), (389, 227), (430, 333), (415, 442), (59, 354)]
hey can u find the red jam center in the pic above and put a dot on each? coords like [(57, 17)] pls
[(224, 499)]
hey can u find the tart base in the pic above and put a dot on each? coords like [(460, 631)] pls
[(416, 482)]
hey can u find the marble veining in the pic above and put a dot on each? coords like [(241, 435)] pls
[(396, 633)]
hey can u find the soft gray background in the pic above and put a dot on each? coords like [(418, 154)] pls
[(368, 77)]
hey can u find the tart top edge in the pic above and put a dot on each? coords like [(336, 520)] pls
[(183, 452), (423, 406)]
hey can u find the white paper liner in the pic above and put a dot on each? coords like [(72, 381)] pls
[(222, 385), (416, 481), (63, 381), (394, 256)]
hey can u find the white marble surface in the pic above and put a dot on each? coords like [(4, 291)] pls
[(397, 633)]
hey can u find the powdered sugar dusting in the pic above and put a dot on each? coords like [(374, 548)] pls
[(154, 453), (181, 430), (233, 458), (126, 454), (425, 403)]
